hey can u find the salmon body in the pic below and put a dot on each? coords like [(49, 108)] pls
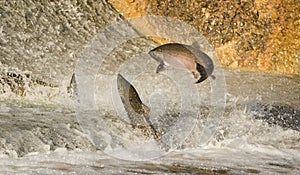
[(185, 57)]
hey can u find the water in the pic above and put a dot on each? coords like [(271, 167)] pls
[(259, 134), (211, 160)]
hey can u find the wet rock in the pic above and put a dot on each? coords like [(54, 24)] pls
[(274, 114), (13, 80)]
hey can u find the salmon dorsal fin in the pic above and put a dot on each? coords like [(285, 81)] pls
[(195, 45)]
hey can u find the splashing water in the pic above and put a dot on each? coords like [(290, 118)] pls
[(259, 133)]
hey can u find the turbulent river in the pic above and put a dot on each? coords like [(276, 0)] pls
[(257, 134)]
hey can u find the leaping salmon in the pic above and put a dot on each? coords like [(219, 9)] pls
[(185, 57)]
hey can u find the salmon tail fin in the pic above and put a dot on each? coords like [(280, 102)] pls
[(202, 72)]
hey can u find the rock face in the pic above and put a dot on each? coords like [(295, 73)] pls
[(251, 35)]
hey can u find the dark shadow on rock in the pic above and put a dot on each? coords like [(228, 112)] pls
[(275, 114)]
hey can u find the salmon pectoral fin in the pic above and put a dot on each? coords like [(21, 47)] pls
[(202, 72), (213, 77), (160, 67)]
